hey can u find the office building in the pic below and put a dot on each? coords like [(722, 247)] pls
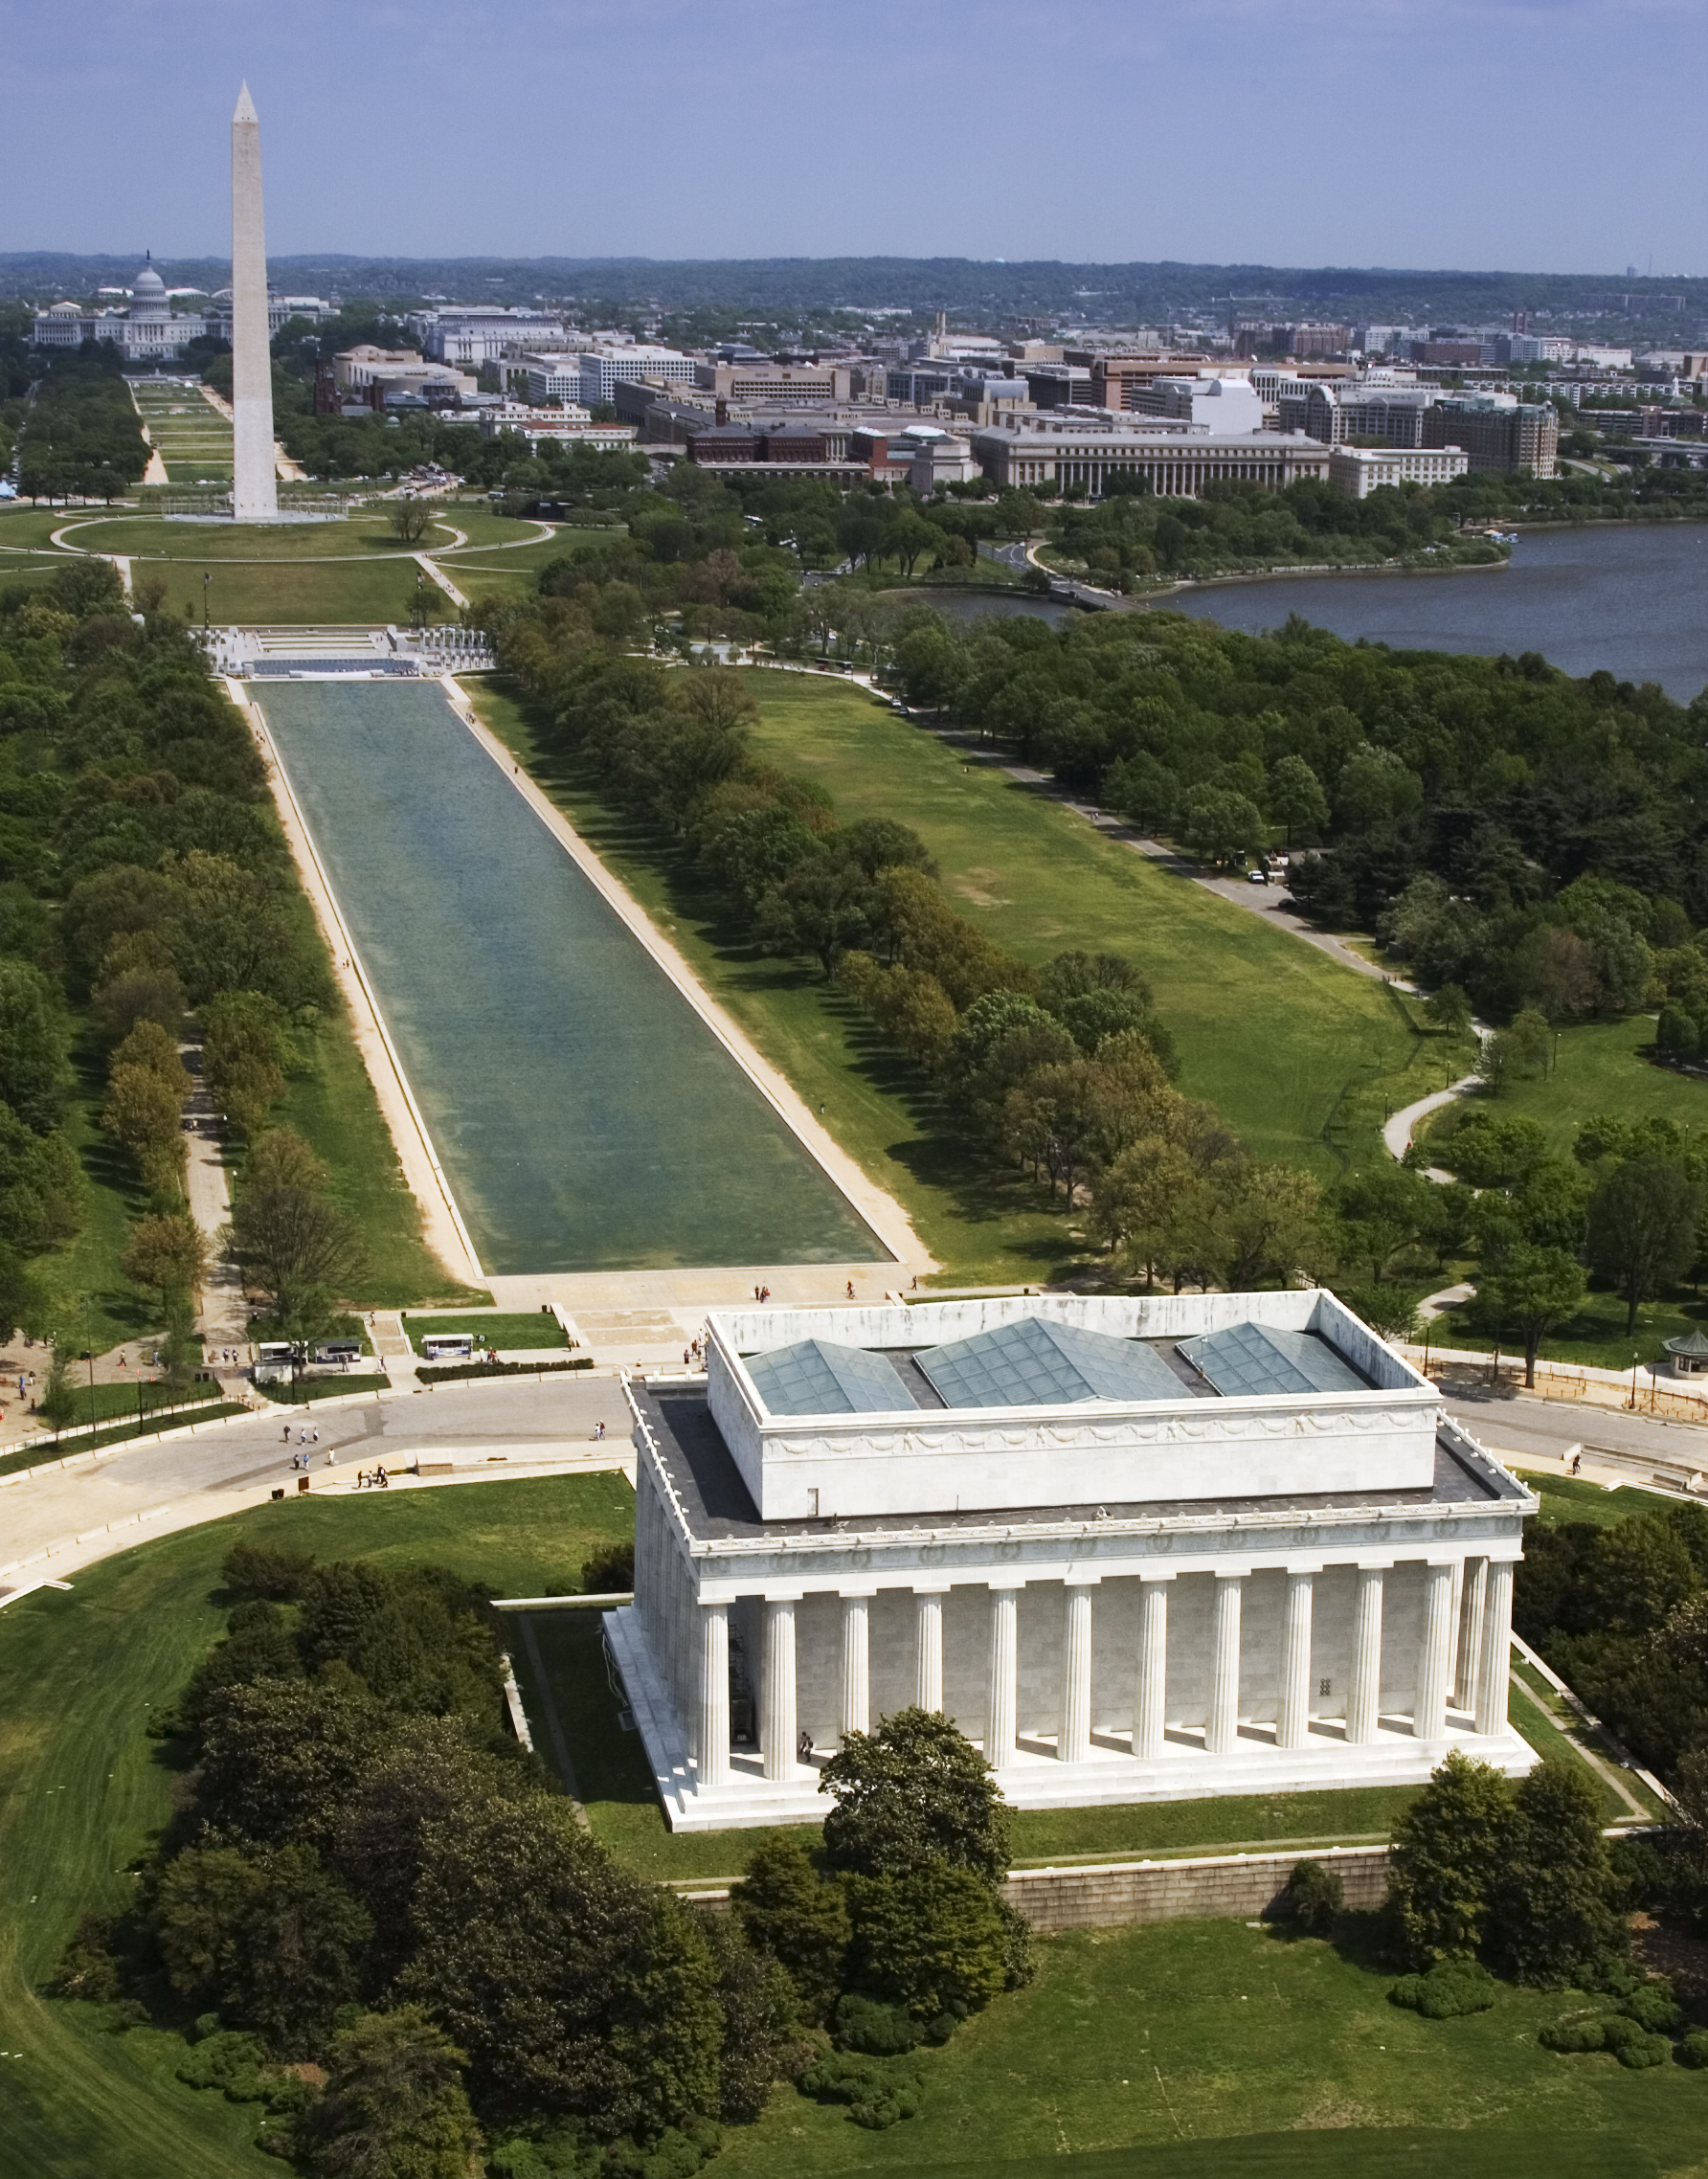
[(1176, 460), (1497, 435), (1357, 471)]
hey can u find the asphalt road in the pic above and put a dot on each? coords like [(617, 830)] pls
[(1508, 1421), (539, 1414)]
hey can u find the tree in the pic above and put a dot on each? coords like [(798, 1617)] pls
[(1264, 1223), (1384, 1210), (789, 1910), (912, 1792), (410, 520), (1222, 826), (280, 1759), (393, 2105), (1295, 797), (245, 1049), (932, 1941), (35, 1045), (1448, 1010), (573, 1985), (138, 982), (23, 1298), (273, 1942), (56, 1403), (1551, 1913), (293, 1244), (168, 1252), (1446, 1860), (1535, 1289), (760, 2019), (1641, 1229)]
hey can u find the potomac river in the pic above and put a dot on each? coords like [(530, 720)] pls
[(1631, 597)]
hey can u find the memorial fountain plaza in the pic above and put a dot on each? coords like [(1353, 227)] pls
[(1138, 1550)]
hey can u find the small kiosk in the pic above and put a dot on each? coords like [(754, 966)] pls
[(1689, 1354)]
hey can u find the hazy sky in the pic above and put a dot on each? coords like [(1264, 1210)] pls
[(1464, 133)]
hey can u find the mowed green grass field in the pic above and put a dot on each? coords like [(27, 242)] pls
[(83, 1790), (1272, 1032)]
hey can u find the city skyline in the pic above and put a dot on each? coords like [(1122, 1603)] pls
[(1231, 133)]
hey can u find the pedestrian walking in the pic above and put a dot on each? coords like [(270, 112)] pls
[(850, 1290), (287, 1434)]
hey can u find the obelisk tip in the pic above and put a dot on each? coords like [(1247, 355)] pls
[(245, 107)]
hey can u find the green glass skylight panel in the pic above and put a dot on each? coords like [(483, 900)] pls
[(1246, 1360), (1036, 1363), (819, 1378)]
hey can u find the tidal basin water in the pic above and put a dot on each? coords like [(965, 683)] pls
[(586, 1117), (1630, 598)]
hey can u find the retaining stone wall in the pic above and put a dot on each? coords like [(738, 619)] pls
[(1117, 1895)]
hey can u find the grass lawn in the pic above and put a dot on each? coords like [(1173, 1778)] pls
[(309, 1388), (1599, 1068), (335, 1109), (1294, 1052), (1596, 1336), (1565, 1500), (83, 1791), (1179, 2039), (515, 1329)]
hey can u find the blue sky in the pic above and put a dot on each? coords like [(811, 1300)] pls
[(1466, 133)]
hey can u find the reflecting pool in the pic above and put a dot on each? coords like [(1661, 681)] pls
[(586, 1117)]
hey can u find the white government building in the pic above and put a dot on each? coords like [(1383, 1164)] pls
[(1138, 1550)]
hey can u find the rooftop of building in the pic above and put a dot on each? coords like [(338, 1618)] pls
[(717, 1507)]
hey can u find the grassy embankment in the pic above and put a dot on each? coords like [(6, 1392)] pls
[(1599, 1068), (499, 1328), (83, 1791), (191, 436), (1147, 2045), (1299, 1056)]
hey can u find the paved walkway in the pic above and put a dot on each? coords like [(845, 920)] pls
[(54, 1519)]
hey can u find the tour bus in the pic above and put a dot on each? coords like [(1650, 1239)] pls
[(447, 1346)]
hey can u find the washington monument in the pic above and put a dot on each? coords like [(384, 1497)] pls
[(255, 495)]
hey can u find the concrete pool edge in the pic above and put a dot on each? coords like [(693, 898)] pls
[(879, 1212), (443, 1228)]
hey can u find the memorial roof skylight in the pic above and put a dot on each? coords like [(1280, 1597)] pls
[(1037, 1363), (817, 1377), (1246, 1360)]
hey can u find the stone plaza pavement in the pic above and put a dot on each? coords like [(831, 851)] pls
[(55, 1520)]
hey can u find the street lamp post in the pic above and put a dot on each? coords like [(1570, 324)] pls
[(207, 584)]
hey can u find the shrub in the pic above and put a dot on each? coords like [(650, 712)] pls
[(876, 2096), (1448, 1991), (879, 2031), (1655, 2008), (933, 1942), (790, 1911), (1694, 2049), (1313, 1897), (263, 1570), (1574, 2036), (610, 1571)]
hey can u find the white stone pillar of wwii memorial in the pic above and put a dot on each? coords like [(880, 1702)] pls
[(255, 491)]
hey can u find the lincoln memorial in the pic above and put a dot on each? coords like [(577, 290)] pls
[(1137, 1549)]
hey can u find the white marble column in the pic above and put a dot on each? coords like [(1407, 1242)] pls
[(1364, 1698), (1495, 1660), (1221, 1728), (712, 1746), (1293, 1717), (1002, 1718), (1428, 1709), (1455, 1620), (1470, 1632), (777, 1727), (928, 1609), (856, 1706), (1150, 1693), (1073, 1740)]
